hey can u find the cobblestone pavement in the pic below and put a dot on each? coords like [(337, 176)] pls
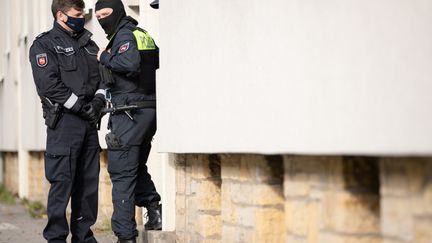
[(16, 226)]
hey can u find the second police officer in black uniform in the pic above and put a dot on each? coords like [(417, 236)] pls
[(65, 71), (132, 58)]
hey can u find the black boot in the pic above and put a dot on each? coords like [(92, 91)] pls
[(154, 216), (126, 241)]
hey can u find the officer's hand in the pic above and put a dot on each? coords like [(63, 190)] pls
[(88, 112), (98, 104), (92, 111)]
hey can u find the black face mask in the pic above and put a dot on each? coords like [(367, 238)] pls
[(76, 24), (109, 24)]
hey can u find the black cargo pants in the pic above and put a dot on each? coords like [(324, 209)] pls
[(72, 168), (132, 184)]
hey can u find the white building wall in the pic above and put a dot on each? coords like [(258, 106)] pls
[(32, 130), (285, 76), (8, 88)]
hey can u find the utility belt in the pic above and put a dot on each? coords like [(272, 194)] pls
[(53, 113), (128, 102)]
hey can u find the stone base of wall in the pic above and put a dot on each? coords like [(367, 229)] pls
[(254, 198), (11, 175), (39, 186)]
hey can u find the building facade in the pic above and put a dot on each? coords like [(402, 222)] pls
[(298, 121), (278, 121)]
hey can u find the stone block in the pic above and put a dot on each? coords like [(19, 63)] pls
[(180, 203), (361, 174), (352, 213), (199, 165), (269, 225), (327, 237), (10, 172), (180, 179), (242, 193), (210, 241), (302, 218), (394, 177), (229, 233), (314, 222), (270, 169), (208, 195), (191, 214), (188, 179), (423, 230), (180, 217), (229, 213), (341, 238), (427, 199), (233, 234), (298, 187), (209, 226), (335, 175), (37, 181), (234, 168), (396, 218), (139, 215), (157, 237), (245, 216), (295, 239), (421, 204), (265, 195), (180, 236), (312, 170)]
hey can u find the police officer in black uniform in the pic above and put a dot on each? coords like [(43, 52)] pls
[(65, 71), (132, 58)]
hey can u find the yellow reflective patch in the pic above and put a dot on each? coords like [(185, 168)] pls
[(144, 40)]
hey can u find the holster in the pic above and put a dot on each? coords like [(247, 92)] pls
[(52, 115), (106, 75)]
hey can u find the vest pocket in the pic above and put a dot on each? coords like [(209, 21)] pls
[(67, 61)]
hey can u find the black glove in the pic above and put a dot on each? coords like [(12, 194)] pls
[(92, 110), (77, 107)]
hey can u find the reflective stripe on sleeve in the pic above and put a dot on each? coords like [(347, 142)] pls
[(71, 101)]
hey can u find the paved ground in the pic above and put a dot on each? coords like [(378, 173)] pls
[(16, 226)]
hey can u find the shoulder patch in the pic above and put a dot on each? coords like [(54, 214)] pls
[(123, 48), (42, 59)]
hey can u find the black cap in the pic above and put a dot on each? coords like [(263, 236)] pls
[(155, 4)]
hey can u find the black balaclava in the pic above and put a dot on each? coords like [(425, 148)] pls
[(110, 23)]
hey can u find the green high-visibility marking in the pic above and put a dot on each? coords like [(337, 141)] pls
[(144, 40)]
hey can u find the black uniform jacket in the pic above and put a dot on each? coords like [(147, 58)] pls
[(123, 59), (65, 67)]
